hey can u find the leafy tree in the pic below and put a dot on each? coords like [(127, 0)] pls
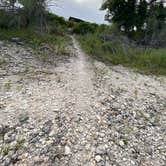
[(12, 4), (30, 13), (34, 9), (121, 12), (155, 33), (142, 14), (133, 14)]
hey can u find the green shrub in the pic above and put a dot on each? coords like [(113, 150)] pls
[(8, 85), (6, 151), (84, 28), (2, 62), (55, 19), (116, 51)]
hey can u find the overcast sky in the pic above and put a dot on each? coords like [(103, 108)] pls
[(84, 9)]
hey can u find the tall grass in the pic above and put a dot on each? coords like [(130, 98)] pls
[(30, 35), (57, 42), (149, 61)]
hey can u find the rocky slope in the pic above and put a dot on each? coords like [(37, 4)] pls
[(78, 112)]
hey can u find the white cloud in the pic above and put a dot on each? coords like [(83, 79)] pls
[(89, 2)]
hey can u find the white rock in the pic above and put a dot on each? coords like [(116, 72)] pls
[(98, 158), (67, 150), (87, 147), (101, 149), (102, 135), (121, 143), (52, 133)]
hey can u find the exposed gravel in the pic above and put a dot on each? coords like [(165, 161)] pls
[(78, 112)]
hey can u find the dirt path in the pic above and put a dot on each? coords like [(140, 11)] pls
[(78, 112)]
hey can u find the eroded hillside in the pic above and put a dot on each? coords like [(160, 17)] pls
[(77, 111)]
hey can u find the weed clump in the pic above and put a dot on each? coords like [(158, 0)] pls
[(8, 85)]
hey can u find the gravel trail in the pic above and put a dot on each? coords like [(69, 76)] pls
[(78, 112)]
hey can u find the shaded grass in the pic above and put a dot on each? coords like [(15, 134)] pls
[(148, 61), (27, 35), (59, 43), (8, 85), (2, 62)]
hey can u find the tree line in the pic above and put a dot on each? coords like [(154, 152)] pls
[(22, 13), (144, 18)]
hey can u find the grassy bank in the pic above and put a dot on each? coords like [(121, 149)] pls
[(29, 35), (37, 40), (149, 61)]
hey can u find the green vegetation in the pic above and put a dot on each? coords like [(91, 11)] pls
[(2, 62), (32, 13), (5, 151), (26, 68), (32, 16), (30, 36), (8, 85), (126, 141), (142, 20), (32, 24), (84, 28), (56, 25), (19, 144), (116, 49), (136, 37), (25, 34), (36, 40)]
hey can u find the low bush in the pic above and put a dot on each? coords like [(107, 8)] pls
[(84, 28), (119, 51)]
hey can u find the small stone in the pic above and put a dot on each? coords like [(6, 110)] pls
[(26, 155), (101, 135), (15, 39), (113, 97), (15, 157), (36, 159), (2, 129), (11, 154), (101, 163), (23, 118), (7, 162), (52, 133), (121, 143), (98, 158), (101, 149), (67, 150), (9, 138), (132, 162), (47, 127), (87, 147), (81, 129), (49, 142), (146, 115)]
